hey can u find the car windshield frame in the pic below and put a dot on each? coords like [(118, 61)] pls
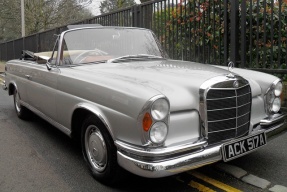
[(66, 45)]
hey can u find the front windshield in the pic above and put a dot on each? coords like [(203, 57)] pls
[(104, 44)]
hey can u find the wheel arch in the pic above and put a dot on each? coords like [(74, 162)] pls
[(11, 88), (80, 113)]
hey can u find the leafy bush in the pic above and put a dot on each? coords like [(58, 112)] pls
[(267, 34), (194, 30)]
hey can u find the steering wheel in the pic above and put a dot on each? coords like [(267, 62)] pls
[(84, 54)]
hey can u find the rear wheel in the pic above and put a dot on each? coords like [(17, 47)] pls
[(21, 111), (99, 150)]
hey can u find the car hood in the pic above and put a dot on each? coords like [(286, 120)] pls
[(179, 81)]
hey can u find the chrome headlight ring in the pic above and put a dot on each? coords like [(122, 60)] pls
[(158, 132), (160, 109), (278, 89), (155, 114), (272, 97)]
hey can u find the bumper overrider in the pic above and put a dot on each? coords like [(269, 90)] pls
[(154, 163)]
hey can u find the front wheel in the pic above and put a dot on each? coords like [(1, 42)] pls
[(99, 150), (21, 111)]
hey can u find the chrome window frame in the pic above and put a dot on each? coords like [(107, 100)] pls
[(61, 39)]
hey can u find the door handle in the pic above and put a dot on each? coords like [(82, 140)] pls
[(28, 76)]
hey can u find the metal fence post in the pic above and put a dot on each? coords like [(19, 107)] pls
[(14, 50), (24, 43), (6, 46), (234, 24), (243, 35), (136, 16), (225, 38), (37, 42)]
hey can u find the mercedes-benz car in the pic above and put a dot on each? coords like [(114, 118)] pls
[(116, 90)]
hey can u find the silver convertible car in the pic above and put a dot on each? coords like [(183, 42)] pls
[(116, 90)]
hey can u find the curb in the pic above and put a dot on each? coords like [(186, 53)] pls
[(249, 178)]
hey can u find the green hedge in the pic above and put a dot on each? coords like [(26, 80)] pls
[(195, 28)]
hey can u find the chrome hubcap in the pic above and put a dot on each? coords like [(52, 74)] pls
[(95, 147), (17, 102)]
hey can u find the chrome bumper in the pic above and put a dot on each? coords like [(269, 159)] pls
[(135, 160)]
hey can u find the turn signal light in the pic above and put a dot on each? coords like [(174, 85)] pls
[(147, 122)]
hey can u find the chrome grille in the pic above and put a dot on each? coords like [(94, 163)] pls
[(228, 111)]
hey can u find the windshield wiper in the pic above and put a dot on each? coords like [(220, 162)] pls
[(139, 57), (92, 62), (96, 62), (79, 64)]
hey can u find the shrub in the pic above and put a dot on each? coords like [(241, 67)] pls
[(194, 30)]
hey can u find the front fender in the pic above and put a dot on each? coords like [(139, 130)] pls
[(97, 112), (120, 126)]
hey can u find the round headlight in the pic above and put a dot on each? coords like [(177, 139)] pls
[(160, 109), (278, 89), (270, 97), (276, 105), (158, 132)]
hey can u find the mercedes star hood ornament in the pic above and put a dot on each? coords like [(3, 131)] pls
[(230, 69)]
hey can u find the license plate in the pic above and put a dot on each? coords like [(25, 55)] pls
[(243, 146)]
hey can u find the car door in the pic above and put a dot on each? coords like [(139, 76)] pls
[(42, 89)]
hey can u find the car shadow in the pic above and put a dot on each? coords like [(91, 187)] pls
[(65, 156)]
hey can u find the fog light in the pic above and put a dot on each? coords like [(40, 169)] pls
[(276, 105), (158, 132)]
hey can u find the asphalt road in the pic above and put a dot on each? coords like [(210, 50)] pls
[(35, 156)]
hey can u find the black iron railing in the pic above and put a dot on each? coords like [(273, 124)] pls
[(251, 33)]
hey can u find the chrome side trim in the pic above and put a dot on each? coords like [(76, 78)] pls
[(155, 152), (48, 119)]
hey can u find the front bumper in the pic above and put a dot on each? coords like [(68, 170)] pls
[(135, 160)]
